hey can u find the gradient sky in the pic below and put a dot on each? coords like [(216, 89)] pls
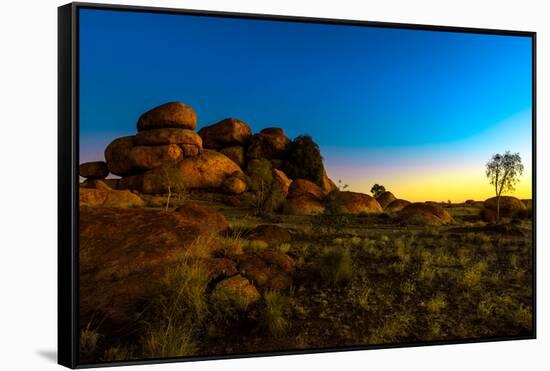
[(420, 112)]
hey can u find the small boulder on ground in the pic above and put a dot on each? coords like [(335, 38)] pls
[(509, 205), (385, 199), (354, 203), (270, 143), (227, 132), (103, 196), (303, 205), (271, 234), (419, 213), (93, 170), (266, 271), (169, 115), (236, 291), (396, 205)]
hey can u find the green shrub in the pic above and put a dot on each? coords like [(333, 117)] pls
[(274, 315), (304, 160), (335, 266)]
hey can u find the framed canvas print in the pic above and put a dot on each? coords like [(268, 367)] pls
[(235, 185)]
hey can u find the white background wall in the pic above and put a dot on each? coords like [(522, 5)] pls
[(28, 119)]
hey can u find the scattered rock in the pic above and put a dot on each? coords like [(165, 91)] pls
[(151, 157), (419, 213), (509, 205), (93, 170), (303, 205), (396, 205), (278, 259), (236, 154), (207, 220), (385, 199), (169, 115), (270, 143), (219, 267), (228, 132), (164, 136), (271, 234), (302, 187), (236, 291), (264, 274), (117, 156), (354, 203), (106, 197)]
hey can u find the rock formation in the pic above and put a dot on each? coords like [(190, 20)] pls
[(419, 213)]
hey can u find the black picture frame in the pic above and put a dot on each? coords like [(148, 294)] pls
[(68, 177)]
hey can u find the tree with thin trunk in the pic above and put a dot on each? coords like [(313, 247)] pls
[(172, 180), (503, 172)]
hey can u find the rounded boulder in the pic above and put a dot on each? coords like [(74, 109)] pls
[(227, 132), (168, 115)]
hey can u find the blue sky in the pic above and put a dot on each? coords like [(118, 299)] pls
[(377, 95)]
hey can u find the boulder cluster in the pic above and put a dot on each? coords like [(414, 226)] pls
[(167, 152)]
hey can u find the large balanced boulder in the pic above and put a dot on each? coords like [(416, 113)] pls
[(117, 156), (93, 170), (228, 132), (163, 136), (419, 213), (385, 199), (509, 205), (151, 157), (236, 154), (270, 143), (124, 254), (354, 203), (302, 187), (396, 205), (169, 115)]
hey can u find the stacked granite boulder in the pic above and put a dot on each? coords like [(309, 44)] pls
[(166, 135)]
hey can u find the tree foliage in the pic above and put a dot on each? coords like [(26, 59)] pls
[(377, 190), (304, 160), (503, 172)]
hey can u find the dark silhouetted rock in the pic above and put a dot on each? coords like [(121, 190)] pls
[(419, 213), (385, 199), (270, 143), (94, 170)]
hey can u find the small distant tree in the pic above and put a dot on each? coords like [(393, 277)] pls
[(503, 172), (377, 190), (304, 160)]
